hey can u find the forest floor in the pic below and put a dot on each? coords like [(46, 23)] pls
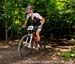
[(51, 55)]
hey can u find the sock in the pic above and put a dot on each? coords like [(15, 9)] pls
[(37, 42)]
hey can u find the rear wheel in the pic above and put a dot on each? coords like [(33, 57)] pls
[(23, 46)]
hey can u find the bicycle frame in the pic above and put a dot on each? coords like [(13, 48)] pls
[(31, 32), (27, 42)]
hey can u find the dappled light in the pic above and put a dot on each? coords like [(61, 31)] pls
[(58, 32), (56, 13)]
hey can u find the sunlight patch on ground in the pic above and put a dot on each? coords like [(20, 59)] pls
[(6, 46), (63, 49), (15, 42)]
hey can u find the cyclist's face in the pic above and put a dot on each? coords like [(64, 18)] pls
[(28, 11)]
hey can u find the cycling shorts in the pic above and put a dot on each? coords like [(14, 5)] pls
[(39, 27)]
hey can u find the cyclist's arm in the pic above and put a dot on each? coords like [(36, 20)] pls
[(42, 20), (25, 22)]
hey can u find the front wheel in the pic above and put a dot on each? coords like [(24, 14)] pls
[(23, 46)]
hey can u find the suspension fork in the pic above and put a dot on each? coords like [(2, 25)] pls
[(31, 36)]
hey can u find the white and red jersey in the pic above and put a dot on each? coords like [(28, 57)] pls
[(36, 17)]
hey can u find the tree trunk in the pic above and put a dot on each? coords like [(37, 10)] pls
[(6, 31)]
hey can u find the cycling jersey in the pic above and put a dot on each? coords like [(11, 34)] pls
[(36, 18)]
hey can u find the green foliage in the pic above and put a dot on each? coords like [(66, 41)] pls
[(59, 14), (68, 54)]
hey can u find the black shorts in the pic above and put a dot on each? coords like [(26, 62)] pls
[(38, 26)]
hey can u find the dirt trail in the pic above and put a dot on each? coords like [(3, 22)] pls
[(8, 55)]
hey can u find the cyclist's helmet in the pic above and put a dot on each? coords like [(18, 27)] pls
[(29, 9)]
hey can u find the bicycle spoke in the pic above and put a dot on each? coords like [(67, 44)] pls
[(23, 49)]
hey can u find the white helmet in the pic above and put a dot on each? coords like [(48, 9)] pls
[(29, 9)]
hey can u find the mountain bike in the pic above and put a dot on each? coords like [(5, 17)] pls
[(27, 42)]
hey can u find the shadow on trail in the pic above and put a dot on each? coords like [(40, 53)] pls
[(9, 55)]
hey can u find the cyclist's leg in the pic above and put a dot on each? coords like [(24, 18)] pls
[(38, 35)]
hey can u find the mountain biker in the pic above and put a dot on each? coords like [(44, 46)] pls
[(38, 21)]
